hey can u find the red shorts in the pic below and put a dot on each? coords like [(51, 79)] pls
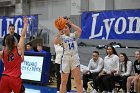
[(8, 84)]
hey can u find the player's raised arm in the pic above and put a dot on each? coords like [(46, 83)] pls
[(23, 33), (77, 28)]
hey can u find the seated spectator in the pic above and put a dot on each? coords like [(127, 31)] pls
[(125, 69), (94, 67), (105, 80), (133, 80), (40, 48), (29, 47)]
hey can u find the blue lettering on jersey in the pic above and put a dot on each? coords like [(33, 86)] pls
[(70, 42), (71, 45)]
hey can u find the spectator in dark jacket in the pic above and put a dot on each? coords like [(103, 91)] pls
[(11, 30)]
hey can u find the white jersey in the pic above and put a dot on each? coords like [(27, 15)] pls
[(59, 52), (70, 44)]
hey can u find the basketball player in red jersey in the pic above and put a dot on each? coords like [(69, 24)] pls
[(12, 59)]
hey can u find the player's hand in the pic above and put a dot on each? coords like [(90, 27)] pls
[(69, 21), (25, 20)]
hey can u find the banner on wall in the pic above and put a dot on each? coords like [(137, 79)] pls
[(122, 24), (18, 22)]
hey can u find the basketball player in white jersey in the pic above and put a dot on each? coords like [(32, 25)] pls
[(59, 52), (70, 59)]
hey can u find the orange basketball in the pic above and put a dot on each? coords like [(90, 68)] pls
[(60, 23)]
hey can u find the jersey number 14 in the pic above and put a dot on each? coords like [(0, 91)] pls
[(71, 45)]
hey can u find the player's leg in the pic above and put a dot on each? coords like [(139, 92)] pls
[(65, 70), (64, 79), (75, 69), (16, 85), (4, 85), (77, 78)]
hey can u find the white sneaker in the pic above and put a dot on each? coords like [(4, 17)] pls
[(94, 91)]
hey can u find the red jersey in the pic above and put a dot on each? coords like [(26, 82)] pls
[(12, 63)]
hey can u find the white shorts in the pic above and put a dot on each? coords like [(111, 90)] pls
[(69, 62)]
